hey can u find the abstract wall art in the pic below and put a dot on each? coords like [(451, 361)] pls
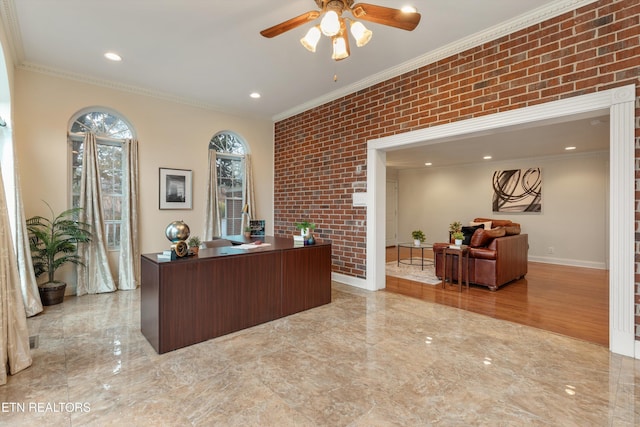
[(517, 190)]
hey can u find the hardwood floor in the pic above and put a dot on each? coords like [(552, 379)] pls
[(571, 301)]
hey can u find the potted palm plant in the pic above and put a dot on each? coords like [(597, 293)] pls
[(53, 242)]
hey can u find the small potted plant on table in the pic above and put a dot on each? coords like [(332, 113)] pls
[(194, 244), (305, 228), (457, 237), (306, 231), (53, 242), (418, 237), (455, 226)]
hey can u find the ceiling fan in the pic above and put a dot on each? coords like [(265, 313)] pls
[(333, 24)]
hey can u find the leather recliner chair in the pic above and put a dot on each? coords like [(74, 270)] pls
[(496, 256)]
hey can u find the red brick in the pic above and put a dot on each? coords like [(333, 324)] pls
[(593, 48)]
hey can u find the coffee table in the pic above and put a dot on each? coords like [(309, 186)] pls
[(411, 247)]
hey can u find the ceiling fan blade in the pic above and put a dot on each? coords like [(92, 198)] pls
[(292, 23), (386, 16)]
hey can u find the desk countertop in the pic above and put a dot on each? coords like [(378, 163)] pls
[(273, 244)]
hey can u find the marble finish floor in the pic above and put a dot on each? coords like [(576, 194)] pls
[(366, 359)]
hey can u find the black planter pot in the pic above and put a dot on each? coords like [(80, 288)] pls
[(52, 293)]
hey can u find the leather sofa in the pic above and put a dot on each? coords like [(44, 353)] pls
[(497, 255)]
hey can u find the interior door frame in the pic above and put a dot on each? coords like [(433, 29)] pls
[(620, 104), (395, 205)]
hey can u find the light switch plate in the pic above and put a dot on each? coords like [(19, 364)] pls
[(360, 198)]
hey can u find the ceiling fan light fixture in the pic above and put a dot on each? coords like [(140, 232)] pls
[(360, 33), (334, 25), (340, 48), (311, 39), (330, 24)]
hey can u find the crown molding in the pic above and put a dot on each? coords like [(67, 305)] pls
[(518, 23), (136, 90), (9, 20), (10, 23), (12, 30)]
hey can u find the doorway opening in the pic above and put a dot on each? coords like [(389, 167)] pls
[(619, 103)]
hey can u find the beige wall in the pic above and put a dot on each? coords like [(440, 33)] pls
[(170, 135), (574, 205)]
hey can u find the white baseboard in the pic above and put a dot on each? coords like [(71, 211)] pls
[(350, 280), (637, 352), (569, 262)]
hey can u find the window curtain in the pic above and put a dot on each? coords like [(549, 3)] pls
[(249, 191), (129, 263), (212, 226), (28, 284), (14, 333), (95, 276)]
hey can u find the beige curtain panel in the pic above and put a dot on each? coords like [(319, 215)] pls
[(212, 226), (14, 334), (250, 193), (95, 276), (28, 283), (129, 262)]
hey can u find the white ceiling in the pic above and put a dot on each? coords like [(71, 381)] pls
[(587, 134), (210, 52)]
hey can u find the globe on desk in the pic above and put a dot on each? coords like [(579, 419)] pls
[(177, 231)]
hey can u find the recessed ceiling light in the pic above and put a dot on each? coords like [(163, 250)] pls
[(569, 148), (409, 9), (112, 56), (487, 157), (428, 164), (255, 95)]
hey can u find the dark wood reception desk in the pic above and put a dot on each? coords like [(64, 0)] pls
[(226, 289)]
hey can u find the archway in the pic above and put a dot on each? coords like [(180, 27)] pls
[(619, 103)]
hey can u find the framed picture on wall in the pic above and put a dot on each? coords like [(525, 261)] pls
[(175, 189), (517, 190)]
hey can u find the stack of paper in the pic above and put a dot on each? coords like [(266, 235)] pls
[(251, 246)]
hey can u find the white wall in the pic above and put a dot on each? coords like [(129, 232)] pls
[(574, 205), (170, 135)]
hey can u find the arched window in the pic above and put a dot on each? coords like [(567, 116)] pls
[(111, 131), (231, 152)]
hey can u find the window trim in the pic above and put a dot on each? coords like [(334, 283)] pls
[(103, 140), (99, 109), (234, 157)]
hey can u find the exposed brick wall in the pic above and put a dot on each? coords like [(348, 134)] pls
[(318, 151)]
